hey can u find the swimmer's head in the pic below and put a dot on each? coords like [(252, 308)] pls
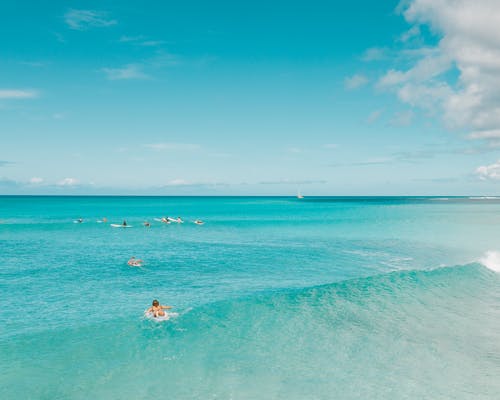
[(156, 303)]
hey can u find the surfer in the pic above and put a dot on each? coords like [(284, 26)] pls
[(124, 223), (147, 224), (198, 222), (79, 220), (135, 262), (157, 309)]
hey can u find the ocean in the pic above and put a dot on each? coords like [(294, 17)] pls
[(274, 298)]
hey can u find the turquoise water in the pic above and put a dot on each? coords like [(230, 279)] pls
[(277, 298)]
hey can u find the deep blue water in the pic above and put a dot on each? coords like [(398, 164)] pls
[(319, 298)]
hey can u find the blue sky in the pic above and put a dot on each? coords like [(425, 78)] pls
[(257, 97)]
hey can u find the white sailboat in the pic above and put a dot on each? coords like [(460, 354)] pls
[(299, 196)]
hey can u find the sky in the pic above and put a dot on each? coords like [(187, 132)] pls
[(250, 97)]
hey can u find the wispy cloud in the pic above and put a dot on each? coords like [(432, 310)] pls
[(355, 81), (68, 182), (374, 161), (489, 172), (411, 33), (182, 183), (374, 116), (8, 184), (85, 19), (130, 71), (177, 182), (402, 118), (293, 182), (141, 41), (415, 156), (34, 64), (36, 180), (4, 163), (374, 54), (18, 94), (172, 146), (164, 59)]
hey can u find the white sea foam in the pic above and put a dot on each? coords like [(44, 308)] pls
[(491, 260)]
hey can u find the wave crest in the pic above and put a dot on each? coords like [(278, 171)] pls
[(491, 260)]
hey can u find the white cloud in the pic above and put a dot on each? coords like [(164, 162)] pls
[(414, 31), (36, 180), (486, 134), (141, 41), (182, 183), (177, 182), (85, 19), (487, 172), (374, 54), (34, 64), (18, 94), (68, 182), (374, 116), (293, 182), (130, 71), (172, 146), (469, 44), (355, 81), (402, 118)]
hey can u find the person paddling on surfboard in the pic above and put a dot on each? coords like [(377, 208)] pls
[(156, 309), (124, 223), (135, 262)]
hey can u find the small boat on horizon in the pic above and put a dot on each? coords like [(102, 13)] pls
[(299, 195)]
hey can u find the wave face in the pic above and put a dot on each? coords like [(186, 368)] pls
[(405, 335)]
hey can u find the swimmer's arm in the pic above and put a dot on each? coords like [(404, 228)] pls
[(166, 307), (150, 309)]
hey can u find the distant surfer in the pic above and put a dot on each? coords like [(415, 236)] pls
[(147, 224), (198, 222), (104, 220), (79, 220), (135, 262), (157, 309), (124, 223)]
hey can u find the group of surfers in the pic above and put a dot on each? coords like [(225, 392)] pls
[(147, 224)]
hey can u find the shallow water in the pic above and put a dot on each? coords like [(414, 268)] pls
[(277, 298)]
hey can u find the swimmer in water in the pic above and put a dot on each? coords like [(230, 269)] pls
[(157, 309), (147, 224), (124, 223), (135, 262)]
